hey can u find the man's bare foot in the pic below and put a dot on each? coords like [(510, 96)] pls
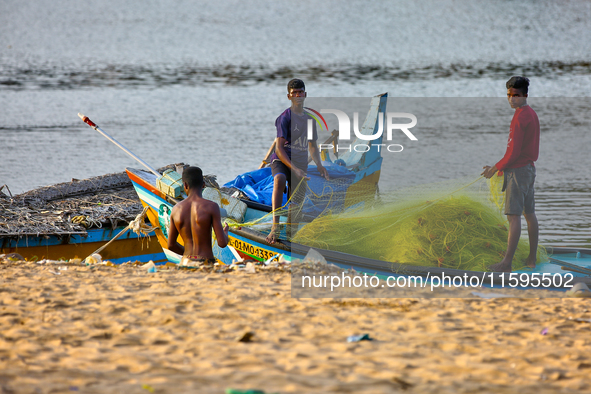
[(273, 235), (530, 262), (500, 267)]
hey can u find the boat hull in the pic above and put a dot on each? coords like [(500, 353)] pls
[(128, 247), (39, 224), (248, 244)]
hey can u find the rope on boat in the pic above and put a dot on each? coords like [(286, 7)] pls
[(137, 225)]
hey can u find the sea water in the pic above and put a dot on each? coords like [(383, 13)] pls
[(202, 83)]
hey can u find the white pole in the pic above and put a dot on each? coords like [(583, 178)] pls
[(113, 140)]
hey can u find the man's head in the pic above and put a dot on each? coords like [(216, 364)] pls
[(296, 84), (517, 88), (296, 91), (192, 178)]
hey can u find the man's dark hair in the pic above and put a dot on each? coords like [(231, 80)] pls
[(295, 84), (193, 176), (519, 83)]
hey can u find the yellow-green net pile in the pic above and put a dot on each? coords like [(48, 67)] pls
[(456, 224)]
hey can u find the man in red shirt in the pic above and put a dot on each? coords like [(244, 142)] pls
[(520, 173)]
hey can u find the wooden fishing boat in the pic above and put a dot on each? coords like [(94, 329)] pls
[(74, 219), (566, 267)]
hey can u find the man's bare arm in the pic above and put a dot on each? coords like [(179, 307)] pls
[(221, 232), (173, 234), (315, 152)]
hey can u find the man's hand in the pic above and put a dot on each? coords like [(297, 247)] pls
[(300, 173), (489, 171), (323, 172), (226, 228)]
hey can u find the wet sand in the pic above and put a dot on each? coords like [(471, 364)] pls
[(71, 328)]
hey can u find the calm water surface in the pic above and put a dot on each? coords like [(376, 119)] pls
[(202, 83)]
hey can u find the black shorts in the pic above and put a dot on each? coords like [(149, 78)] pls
[(278, 167)]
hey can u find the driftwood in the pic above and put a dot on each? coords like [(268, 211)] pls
[(73, 207)]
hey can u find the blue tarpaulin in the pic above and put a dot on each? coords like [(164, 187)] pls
[(322, 194)]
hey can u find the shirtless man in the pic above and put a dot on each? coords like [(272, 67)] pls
[(290, 160), (520, 174), (193, 218)]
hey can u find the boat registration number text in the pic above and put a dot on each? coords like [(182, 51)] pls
[(251, 249)]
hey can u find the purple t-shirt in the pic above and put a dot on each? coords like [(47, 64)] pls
[(294, 128)]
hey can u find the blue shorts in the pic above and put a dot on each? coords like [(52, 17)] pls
[(519, 190)]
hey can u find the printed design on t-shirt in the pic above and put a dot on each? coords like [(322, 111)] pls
[(299, 128), (511, 130), (294, 129), (299, 136)]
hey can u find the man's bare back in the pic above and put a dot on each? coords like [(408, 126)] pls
[(193, 219)]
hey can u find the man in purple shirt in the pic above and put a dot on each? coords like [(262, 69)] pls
[(290, 160)]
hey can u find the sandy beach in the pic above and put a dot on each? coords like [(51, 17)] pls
[(100, 329)]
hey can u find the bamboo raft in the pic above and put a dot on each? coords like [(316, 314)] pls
[(71, 207), (71, 218)]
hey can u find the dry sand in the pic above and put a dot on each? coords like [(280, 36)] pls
[(124, 330)]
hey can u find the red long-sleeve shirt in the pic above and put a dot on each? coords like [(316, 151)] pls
[(523, 146)]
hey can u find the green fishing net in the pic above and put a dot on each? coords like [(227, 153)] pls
[(455, 224)]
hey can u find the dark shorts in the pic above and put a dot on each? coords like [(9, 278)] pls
[(299, 186), (277, 167), (519, 190)]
